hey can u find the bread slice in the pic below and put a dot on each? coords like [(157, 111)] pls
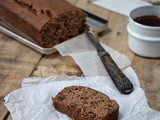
[(84, 103)]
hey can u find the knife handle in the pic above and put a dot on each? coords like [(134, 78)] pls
[(120, 80)]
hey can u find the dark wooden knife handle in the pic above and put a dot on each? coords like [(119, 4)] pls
[(120, 80)]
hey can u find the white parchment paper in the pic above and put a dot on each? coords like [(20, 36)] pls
[(33, 100)]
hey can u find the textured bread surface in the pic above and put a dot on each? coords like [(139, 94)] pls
[(84, 103), (48, 22)]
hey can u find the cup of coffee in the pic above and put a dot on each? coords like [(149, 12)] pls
[(144, 31)]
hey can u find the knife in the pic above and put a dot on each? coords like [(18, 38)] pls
[(123, 84)]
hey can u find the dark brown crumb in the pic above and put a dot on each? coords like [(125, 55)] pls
[(66, 26)]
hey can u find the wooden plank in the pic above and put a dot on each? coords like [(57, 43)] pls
[(16, 62), (148, 71), (55, 64)]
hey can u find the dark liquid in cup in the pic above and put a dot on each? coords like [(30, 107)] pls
[(153, 21)]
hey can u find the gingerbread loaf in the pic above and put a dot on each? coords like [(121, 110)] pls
[(48, 22), (84, 103)]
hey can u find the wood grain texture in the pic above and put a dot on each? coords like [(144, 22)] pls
[(148, 71), (55, 64), (15, 64)]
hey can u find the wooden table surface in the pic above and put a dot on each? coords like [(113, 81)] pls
[(18, 61)]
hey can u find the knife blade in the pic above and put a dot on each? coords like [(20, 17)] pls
[(120, 80)]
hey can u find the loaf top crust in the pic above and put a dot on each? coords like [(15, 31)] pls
[(84, 103)]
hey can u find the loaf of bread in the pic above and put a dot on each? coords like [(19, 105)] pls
[(48, 22), (84, 103)]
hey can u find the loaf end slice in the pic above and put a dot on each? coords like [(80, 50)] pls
[(84, 103)]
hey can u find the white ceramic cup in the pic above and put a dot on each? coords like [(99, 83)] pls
[(142, 39)]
